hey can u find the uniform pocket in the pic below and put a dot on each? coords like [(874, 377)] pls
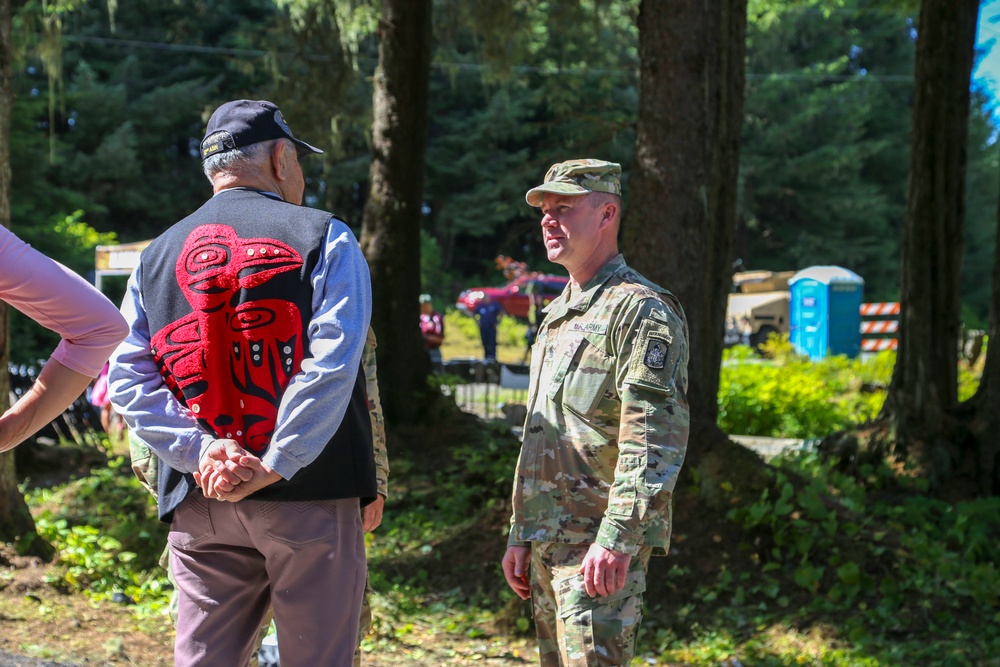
[(299, 523), (586, 379), (602, 625), (192, 523)]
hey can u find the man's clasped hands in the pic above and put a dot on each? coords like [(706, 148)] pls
[(229, 472)]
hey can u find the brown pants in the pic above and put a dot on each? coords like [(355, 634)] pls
[(232, 560)]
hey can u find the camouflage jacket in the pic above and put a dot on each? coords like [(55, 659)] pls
[(145, 465), (375, 410), (607, 423)]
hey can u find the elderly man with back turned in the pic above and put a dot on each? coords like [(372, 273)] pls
[(242, 372), (606, 430)]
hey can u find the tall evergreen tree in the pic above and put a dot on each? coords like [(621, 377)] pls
[(390, 232), (823, 160), (15, 520), (924, 383), (983, 450), (679, 225)]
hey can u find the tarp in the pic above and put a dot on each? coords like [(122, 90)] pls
[(117, 260)]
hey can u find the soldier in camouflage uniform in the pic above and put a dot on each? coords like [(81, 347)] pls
[(606, 430), (144, 465)]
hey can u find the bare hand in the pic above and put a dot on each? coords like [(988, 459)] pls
[(604, 571), (219, 470), (262, 476), (515, 570), (373, 513)]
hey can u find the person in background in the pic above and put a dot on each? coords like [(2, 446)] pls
[(432, 329), (246, 381), (60, 300), (488, 314), (605, 434), (534, 316)]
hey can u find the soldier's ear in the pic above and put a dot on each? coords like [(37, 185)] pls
[(609, 213)]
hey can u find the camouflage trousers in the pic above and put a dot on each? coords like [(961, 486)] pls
[(574, 629)]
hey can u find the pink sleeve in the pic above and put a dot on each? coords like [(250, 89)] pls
[(58, 299)]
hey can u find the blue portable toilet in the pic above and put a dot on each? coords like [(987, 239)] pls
[(825, 311)]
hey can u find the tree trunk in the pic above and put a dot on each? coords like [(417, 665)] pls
[(925, 380), (683, 187), (985, 424), (15, 520), (390, 232)]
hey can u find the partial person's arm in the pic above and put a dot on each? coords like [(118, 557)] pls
[(372, 517), (315, 401), (60, 300), (653, 432), (651, 375), (375, 410), (138, 393)]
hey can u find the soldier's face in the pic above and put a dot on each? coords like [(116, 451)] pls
[(570, 229)]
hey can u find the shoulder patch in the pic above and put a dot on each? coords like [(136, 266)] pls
[(654, 357)]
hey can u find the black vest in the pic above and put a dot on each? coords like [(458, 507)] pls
[(228, 298)]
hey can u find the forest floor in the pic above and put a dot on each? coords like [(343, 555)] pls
[(42, 619), (725, 595)]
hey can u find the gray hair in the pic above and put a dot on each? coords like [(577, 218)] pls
[(238, 159)]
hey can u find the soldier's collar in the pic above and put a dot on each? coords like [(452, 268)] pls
[(587, 292)]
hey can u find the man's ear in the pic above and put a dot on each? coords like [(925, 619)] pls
[(609, 211), (279, 159)]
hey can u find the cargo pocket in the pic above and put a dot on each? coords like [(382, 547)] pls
[(192, 523), (298, 524), (600, 630)]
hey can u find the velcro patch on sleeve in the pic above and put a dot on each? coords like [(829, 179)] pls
[(654, 357)]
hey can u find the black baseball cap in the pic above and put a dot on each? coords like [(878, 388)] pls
[(243, 122)]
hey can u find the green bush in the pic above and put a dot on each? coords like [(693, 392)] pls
[(106, 533), (901, 565), (784, 394), (457, 323)]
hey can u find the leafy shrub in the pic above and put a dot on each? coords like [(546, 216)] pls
[(785, 394), (898, 564), (458, 323), (106, 533), (510, 331)]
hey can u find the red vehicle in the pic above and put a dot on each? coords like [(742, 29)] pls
[(513, 296)]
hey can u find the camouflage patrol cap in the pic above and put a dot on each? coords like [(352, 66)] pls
[(578, 177)]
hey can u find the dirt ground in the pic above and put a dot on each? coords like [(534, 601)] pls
[(39, 621)]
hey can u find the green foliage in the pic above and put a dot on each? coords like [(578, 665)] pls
[(788, 395), (458, 323), (105, 531), (870, 546), (823, 158)]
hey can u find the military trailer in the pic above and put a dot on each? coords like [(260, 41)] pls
[(758, 306)]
